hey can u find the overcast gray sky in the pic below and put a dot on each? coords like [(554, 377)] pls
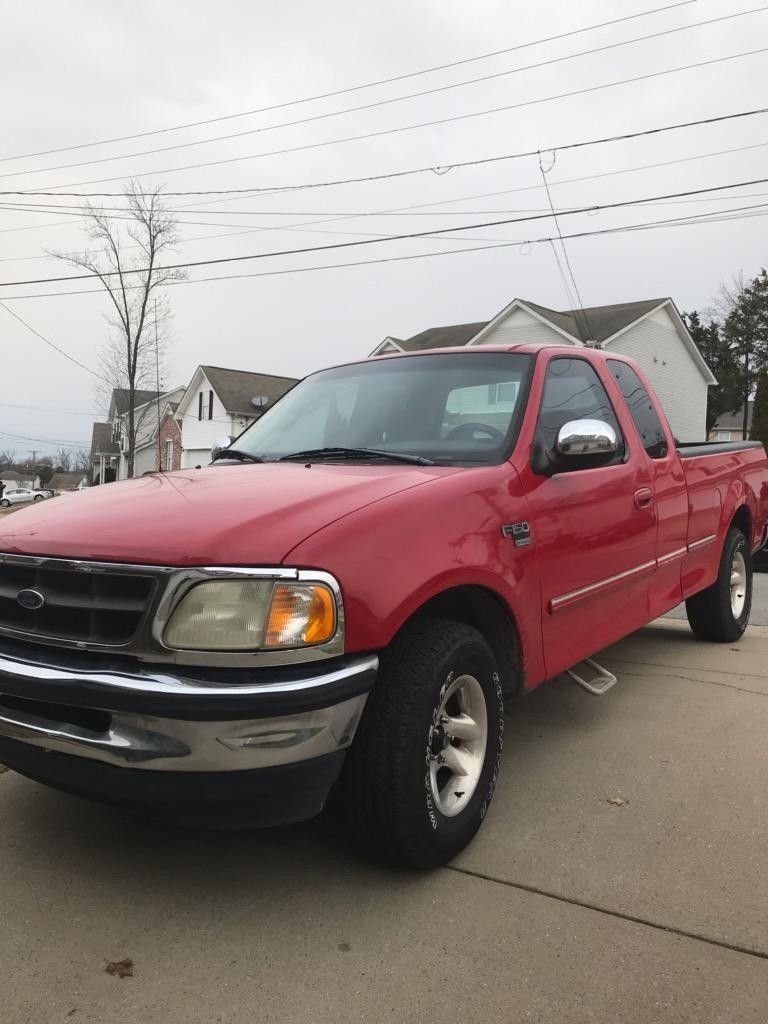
[(80, 72)]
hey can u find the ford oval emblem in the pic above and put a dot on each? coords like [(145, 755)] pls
[(30, 599)]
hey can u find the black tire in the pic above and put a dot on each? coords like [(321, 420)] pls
[(5, 503), (385, 796), (710, 613), (38, 497)]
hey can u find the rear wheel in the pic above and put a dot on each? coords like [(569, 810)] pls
[(422, 771), (5, 503), (721, 612)]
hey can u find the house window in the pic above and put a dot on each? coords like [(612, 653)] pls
[(504, 393), (169, 455), (200, 406), (210, 405), (723, 435), (116, 431)]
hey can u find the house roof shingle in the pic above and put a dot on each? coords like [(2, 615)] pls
[(120, 399), (101, 441), (442, 337), (236, 388), (594, 323), (63, 480), (734, 420)]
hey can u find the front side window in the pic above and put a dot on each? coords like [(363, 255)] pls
[(641, 409), (572, 391), (446, 408)]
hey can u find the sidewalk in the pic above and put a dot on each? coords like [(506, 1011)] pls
[(567, 907)]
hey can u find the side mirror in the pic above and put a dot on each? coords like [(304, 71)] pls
[(219, 445), (582, 438)]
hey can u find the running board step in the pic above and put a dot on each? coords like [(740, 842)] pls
[(599, 684)]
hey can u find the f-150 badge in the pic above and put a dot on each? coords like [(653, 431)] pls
[(521, 532)]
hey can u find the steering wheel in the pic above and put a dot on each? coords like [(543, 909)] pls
[(467, 431)]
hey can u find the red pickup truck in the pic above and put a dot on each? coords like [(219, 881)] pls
[(336, 608)]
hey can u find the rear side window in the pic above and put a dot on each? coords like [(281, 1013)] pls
[(641, 409)]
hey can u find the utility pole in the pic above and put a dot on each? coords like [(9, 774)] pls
[(157, 375)]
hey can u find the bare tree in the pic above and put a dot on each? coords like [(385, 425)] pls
[(128, 257), (7, 458), (63, 459), (81, 460)]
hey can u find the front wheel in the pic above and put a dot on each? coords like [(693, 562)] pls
[(422, 771), (38, 497), (721, 612)]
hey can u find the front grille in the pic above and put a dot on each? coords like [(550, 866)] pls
[(79, 605)]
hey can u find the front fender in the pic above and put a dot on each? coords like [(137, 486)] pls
[(394, 555)]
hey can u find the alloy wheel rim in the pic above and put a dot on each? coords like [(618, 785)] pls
[(457, 742), (738, 584)]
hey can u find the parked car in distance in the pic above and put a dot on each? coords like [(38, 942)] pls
[(19, 495), (335, 610)]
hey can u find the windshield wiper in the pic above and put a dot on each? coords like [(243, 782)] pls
[(237, 454), (330, 454)]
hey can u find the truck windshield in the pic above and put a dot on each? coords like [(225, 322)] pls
[(448, 409)]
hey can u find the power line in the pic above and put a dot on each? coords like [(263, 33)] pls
[(595, 207), (390, 100), (580, 301), (353, 88), (244, 230), (425, 124), (44, 440), (689, 220), (52, 344), (457, 165), (46, 408), (712, 217)]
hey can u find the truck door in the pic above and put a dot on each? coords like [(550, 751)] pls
[(593, 527), (670, 493)]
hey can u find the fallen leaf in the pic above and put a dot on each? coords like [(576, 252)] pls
[(344, 947), (617, 801), (120, 968)]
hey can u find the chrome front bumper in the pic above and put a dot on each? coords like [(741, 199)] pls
[(163, 722)]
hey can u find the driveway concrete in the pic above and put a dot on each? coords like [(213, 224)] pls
[(566, 908)]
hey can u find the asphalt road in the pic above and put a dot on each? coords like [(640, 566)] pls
[(619, 876)]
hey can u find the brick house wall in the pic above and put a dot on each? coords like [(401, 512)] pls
[(170, 432)]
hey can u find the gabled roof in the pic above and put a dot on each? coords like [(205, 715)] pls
[(101, 441), (236, 388), (65, 479), (442, 337), (120, 399), (734, 420), (596, 323)]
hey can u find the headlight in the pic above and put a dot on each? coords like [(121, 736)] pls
[(252, 614)]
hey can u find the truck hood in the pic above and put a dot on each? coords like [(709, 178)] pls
[(237, 515)]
